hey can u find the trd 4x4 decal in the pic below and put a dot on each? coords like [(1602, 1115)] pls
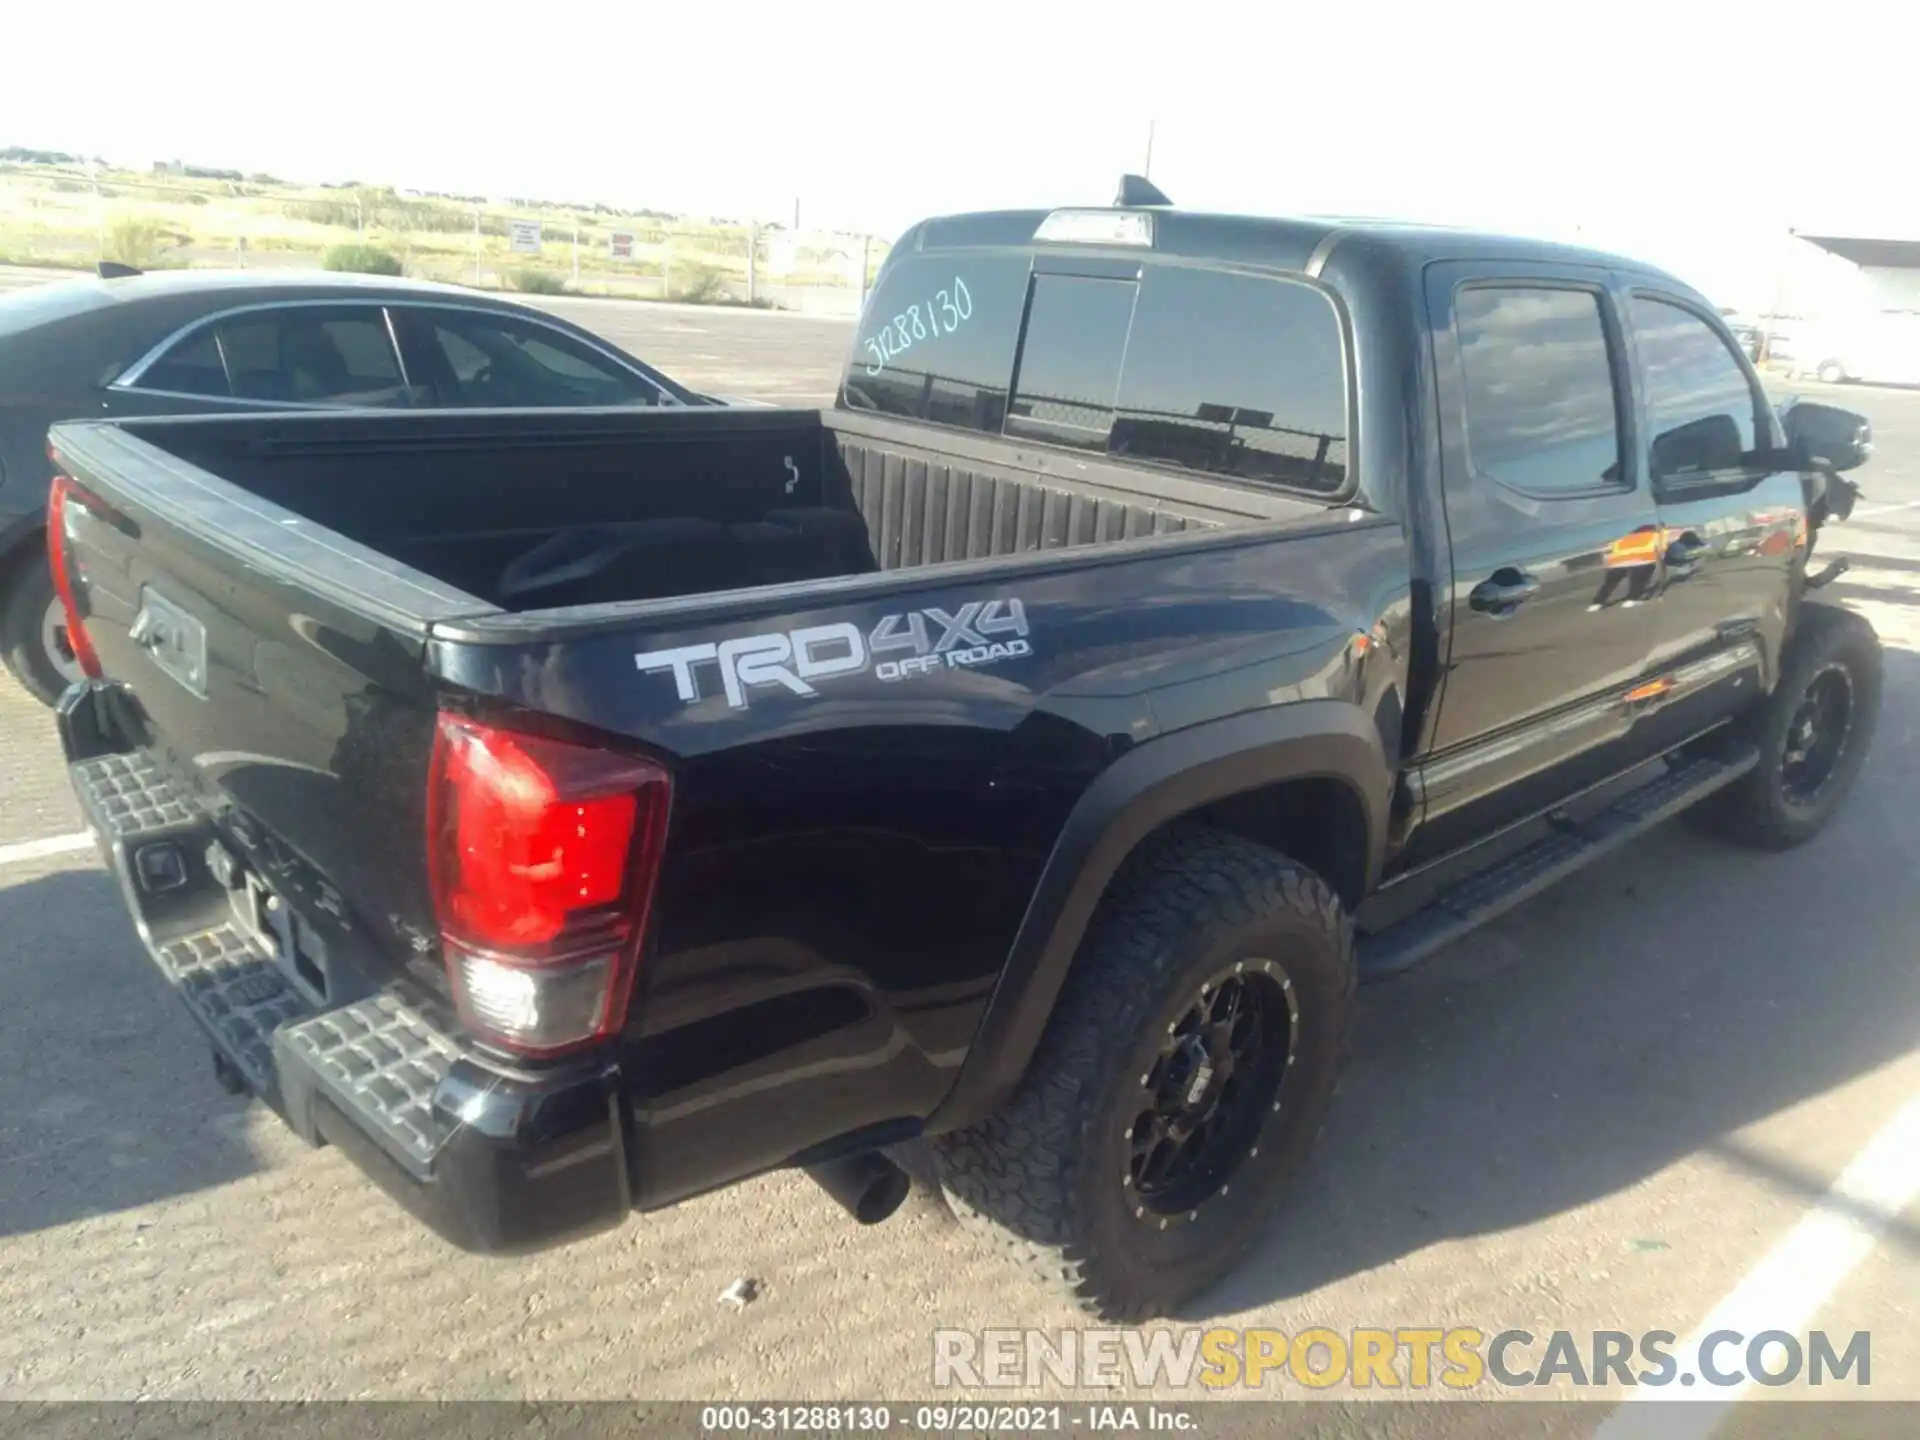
[(922, 640)]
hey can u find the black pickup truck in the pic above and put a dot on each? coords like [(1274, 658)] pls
[(1178, 618)]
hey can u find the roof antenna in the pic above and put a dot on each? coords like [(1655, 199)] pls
[(114, 270), (1138, 190)]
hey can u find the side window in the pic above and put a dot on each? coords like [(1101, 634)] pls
[(1701, 410), (291, 355), (1541, 414), (1237, 375), (936, 340), (307, 356), (190, 368), (251, 348), (366, 349), (466, 358), (1069, 375), (496, 360)]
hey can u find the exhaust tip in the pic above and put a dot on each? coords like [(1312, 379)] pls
[(868, 1187), (882, 1198)]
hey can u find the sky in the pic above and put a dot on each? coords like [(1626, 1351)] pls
[(1692, 135)]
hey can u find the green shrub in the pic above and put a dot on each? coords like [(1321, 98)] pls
[(361, 260), (699, 285), (136, 242), (530, 281)]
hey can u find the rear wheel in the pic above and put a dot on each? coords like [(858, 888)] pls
[(33, 632), (1812, 733), (1182, 1079), (1831, 371)]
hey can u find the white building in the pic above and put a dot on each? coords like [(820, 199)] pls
[(1889, 269), (1880, 338)]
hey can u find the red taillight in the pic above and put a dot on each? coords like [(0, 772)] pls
[(544, 856), (57, 562)]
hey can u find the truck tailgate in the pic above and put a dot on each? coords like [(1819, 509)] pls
[(273, 671), (254, 767)]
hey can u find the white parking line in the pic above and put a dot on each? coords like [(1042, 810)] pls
[(1787, 1288), (40, 849), (1868, 511)]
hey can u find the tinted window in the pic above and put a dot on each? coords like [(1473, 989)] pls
[(466, 358), (190, 368), (1237, 375), (1234, 374), (1070, 364), (1540, 409), (366, 349), (295, 355), (472, 359), (1700, 408), (936, 340), (311, 358)]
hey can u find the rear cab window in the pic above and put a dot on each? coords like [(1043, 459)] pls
[(1227, 373), (938, 338)]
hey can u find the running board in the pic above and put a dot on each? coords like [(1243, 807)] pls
[(1553, 857)]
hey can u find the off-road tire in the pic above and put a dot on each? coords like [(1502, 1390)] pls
[(1044, 1177), (1756, 810), (24, 593)]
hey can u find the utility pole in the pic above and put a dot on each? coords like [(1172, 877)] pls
[(1147, 171), (796, 213), (476, 245), (753, 244), (576, 252), (99, 211)]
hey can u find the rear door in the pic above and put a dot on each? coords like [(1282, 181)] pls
[(1729, 517), (1554, 536)]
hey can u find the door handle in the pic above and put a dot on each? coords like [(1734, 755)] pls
[(1503, 591)]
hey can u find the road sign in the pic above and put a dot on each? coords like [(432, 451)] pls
[(526, 237), (620, 244)]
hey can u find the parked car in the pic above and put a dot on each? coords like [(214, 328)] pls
[(1882, 349), (1751, 339), (190, 341), (566, 814)]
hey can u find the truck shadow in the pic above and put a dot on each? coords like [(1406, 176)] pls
[(1677, 993), (107, 1101)]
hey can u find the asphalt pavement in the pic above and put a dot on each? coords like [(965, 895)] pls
[(1648, 1100)]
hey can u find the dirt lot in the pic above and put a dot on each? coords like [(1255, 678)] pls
[(1602, 1112)]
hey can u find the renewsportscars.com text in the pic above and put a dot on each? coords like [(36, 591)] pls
[(1407, 1358)]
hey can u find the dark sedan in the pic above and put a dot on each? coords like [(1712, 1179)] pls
[(191, 341)]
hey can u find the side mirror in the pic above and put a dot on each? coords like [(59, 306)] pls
[(1700, 446), (1825, 436)]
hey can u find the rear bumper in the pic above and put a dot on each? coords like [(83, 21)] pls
[(494, 1159)]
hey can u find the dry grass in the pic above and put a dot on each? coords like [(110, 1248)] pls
[(58, 216)]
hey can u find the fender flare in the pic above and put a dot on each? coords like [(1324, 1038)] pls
[(1151, 784)]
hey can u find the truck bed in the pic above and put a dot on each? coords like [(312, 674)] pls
[(536, 511)]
